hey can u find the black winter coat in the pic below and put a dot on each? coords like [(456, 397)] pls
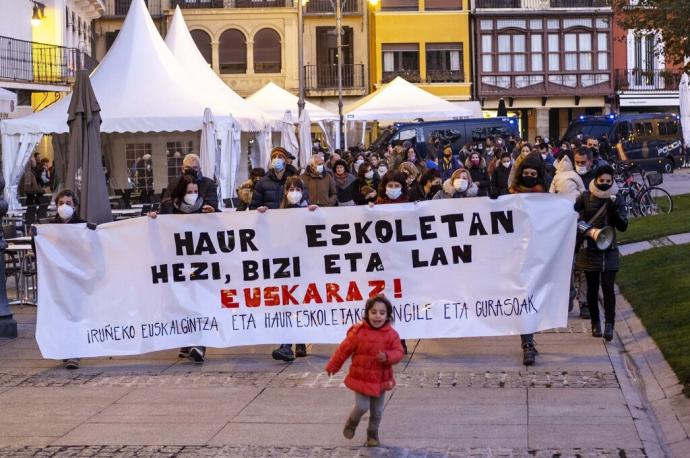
[(589, 258), (480, 177), (499, 181), (357, 190), (269, 190)]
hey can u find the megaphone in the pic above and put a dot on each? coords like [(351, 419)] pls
[(602, 237)]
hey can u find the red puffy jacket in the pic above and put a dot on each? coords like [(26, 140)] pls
[(367, 375)]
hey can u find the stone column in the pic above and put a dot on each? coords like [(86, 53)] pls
[(250, 57), (215, 57)]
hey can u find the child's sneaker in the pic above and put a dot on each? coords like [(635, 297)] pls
[(373, 438), (350, 428), (196, 354), (72, 363)]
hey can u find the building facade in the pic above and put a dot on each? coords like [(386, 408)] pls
[(42, 45), (424, 41), (549, 60), (645, 79)]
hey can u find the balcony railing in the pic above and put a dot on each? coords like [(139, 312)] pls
[(542, 4), (189, 4), (645, 81), (539, 84), (119, 8), (325, 77), (413, 76), (326, 7), (31, 62), (445, 76)]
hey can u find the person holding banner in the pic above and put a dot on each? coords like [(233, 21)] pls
[(365, 186), (66, 202), (320, 184), (601, 207), (529, 177), (293, 197), (375, 348), (394, 189), (185, 200), (431, 183), (269, 190)]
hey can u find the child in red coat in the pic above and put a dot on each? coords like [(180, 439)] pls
[(375, 347)]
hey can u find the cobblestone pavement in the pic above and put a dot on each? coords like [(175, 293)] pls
[(454, 398), (320, 452)]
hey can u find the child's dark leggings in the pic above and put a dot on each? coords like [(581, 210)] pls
[(607, 278), (373, 405)]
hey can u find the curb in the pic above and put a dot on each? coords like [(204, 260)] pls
[(636, 247), (660, 392)]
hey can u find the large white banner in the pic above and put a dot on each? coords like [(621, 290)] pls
[(452, 268)]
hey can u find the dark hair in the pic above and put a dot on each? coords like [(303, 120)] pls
[(584, 152), (67, 193), (504, 154), (392, 175), (291, 182), (429, 175), (257, 172), (340, 162), (566, 153), (373, 300), (180, 189), (363, 169)]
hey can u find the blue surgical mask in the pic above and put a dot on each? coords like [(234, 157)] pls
[(278, 164)]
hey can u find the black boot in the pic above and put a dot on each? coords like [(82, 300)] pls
[(584, 311), (373, 437), (529, 353), (350, 427), (284, 353), (596, 329), (608, 332), (300, 350)]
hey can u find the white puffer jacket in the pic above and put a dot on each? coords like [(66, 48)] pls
[(567, 182)]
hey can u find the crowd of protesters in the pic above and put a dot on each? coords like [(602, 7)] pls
[(399, 174)]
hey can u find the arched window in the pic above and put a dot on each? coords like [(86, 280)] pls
[(267, 51), (233, 52), (203, 43)]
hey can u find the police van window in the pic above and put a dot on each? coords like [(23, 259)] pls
[(668, 129), (448, 135), (643, 130), (623, 132), (408, 134)]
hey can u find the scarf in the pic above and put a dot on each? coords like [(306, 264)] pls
[(612, 191), (184, 207), (520, 189)]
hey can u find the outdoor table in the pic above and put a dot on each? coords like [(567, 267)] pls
[(23, 252), (19, 240)]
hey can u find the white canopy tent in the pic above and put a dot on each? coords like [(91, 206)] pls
[(140, 86), (400, 100), (275, 100), (684, 105), (8, 101)]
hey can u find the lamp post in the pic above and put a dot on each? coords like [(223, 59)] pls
[(300, 54), (8, 325)]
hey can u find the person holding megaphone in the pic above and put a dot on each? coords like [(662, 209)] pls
[(601, 214)]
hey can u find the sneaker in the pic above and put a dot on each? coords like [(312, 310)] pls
[(283, 353), (300, 350), (196, 354), (184, 352), (584, 311), (72, 363), (529, 353)]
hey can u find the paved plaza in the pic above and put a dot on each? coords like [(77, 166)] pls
[(455, 397)]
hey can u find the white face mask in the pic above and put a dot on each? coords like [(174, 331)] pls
[(460, 184), (358, 163), (190, 199), (506, 164), (393, 193), (319, 168), (581, 169), (382, 171), (65, 212), (294, 197), (369, 175)]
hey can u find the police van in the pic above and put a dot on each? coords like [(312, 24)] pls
[(652, 141), (457, 132)]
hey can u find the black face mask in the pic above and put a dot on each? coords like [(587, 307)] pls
[(603, 187), (528, 182), (435, 189), (196, 174)]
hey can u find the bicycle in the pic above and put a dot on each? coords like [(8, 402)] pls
[(643, 198)]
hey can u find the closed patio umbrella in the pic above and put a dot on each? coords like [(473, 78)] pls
[(502, 110), (684, 101), (85, 158)]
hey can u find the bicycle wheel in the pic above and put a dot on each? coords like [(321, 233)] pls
[(655, 201)]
